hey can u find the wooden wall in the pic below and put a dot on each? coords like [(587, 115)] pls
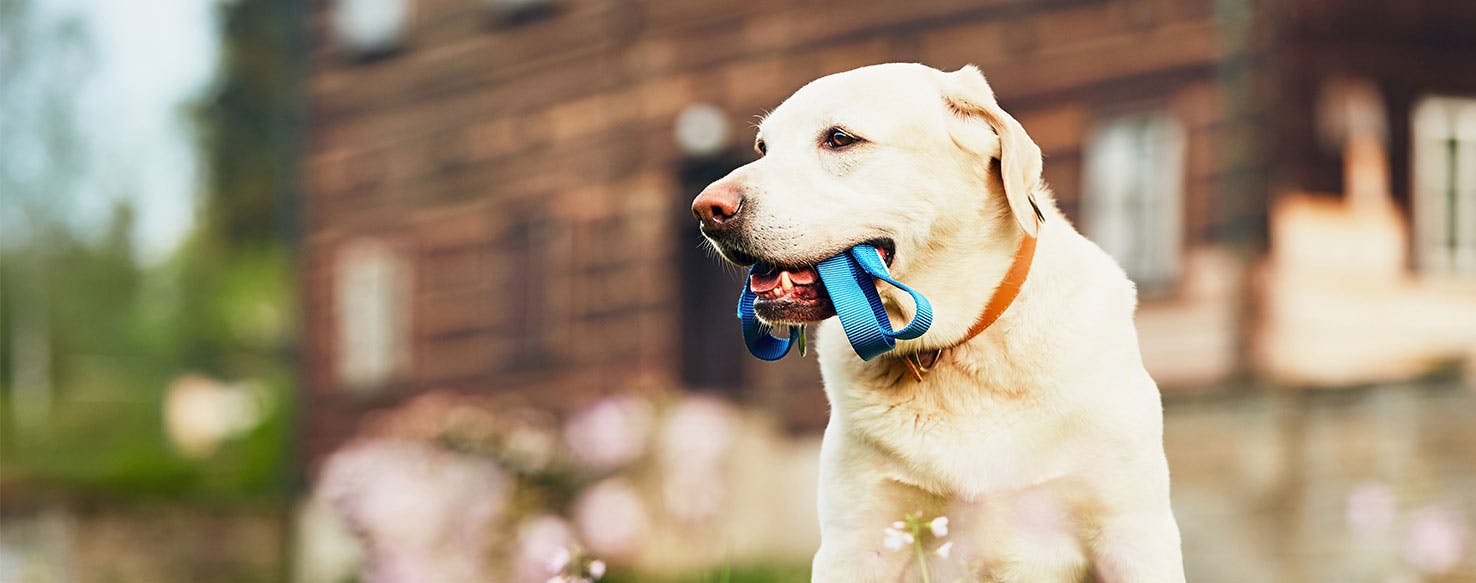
[(475, 127)]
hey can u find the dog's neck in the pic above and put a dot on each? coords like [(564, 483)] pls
[(961, 280), (1067, 271)]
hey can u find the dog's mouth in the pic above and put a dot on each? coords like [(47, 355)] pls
[(794, 294)]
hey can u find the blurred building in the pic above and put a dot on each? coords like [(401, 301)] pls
[(498, 189)]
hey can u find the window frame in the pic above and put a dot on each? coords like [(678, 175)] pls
[(1443, 240), (1110, 212)]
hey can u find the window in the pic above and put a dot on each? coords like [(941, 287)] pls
[(524, 293), (1132, 193), (514, 12), (371, 301), (368, 28), (1444, 184)]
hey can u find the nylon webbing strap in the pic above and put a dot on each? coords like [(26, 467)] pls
[(756, 334), (849, 280)]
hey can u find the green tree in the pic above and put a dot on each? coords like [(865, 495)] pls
[(112, 334)]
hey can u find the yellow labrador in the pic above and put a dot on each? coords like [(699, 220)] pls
[(1024, 414)]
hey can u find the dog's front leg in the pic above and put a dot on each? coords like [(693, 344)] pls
[(1137, 537), (838, 562), (857, 502), (852, 547), (1139, 546)]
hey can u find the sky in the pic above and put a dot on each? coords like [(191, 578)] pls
[(153, 60)]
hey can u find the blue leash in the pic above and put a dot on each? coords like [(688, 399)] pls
[(848, 278)]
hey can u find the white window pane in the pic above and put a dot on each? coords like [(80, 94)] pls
[(1443, 180), (1132, 197), (371, 300), (367, 27), (1465, 202), (1109, 158)]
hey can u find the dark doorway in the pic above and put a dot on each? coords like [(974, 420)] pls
[(711, 347)]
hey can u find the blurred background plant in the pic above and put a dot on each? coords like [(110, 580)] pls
[(99, 333), (147, 286)]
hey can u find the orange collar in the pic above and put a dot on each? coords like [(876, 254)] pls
[(1004, 295), (1009, 288)]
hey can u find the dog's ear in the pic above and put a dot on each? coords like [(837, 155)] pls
[(971, 100)]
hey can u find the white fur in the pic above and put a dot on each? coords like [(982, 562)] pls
[(1042, 437)]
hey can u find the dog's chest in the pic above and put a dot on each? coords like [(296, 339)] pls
[(1034, 534), (961, 446)]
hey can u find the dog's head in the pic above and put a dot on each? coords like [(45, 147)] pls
[(902, 156)]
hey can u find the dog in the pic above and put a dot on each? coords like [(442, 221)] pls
[(1024, 414)]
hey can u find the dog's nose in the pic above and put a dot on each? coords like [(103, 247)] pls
[(718, 205)]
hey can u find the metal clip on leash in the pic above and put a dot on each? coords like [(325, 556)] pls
[(848, 278)]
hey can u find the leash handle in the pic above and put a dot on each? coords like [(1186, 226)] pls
[(850, 280), (758, 336), (871, 262), (857, 305)]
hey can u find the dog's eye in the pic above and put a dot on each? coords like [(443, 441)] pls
[(836, 138), (761, 147)]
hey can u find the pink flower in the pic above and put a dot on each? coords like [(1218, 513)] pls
[(423, 513), (612, 518), (1437, 540), (559, 560), (1371, 509), (596, 568), (945, 549), (540, 540), (610, 434), (939, 526), (895, 539), (693, 449)]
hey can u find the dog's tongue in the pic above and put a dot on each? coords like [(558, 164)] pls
[(761, 283)]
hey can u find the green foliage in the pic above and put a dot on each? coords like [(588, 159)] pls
[(119, 334), (116, 333), (251, 126)]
